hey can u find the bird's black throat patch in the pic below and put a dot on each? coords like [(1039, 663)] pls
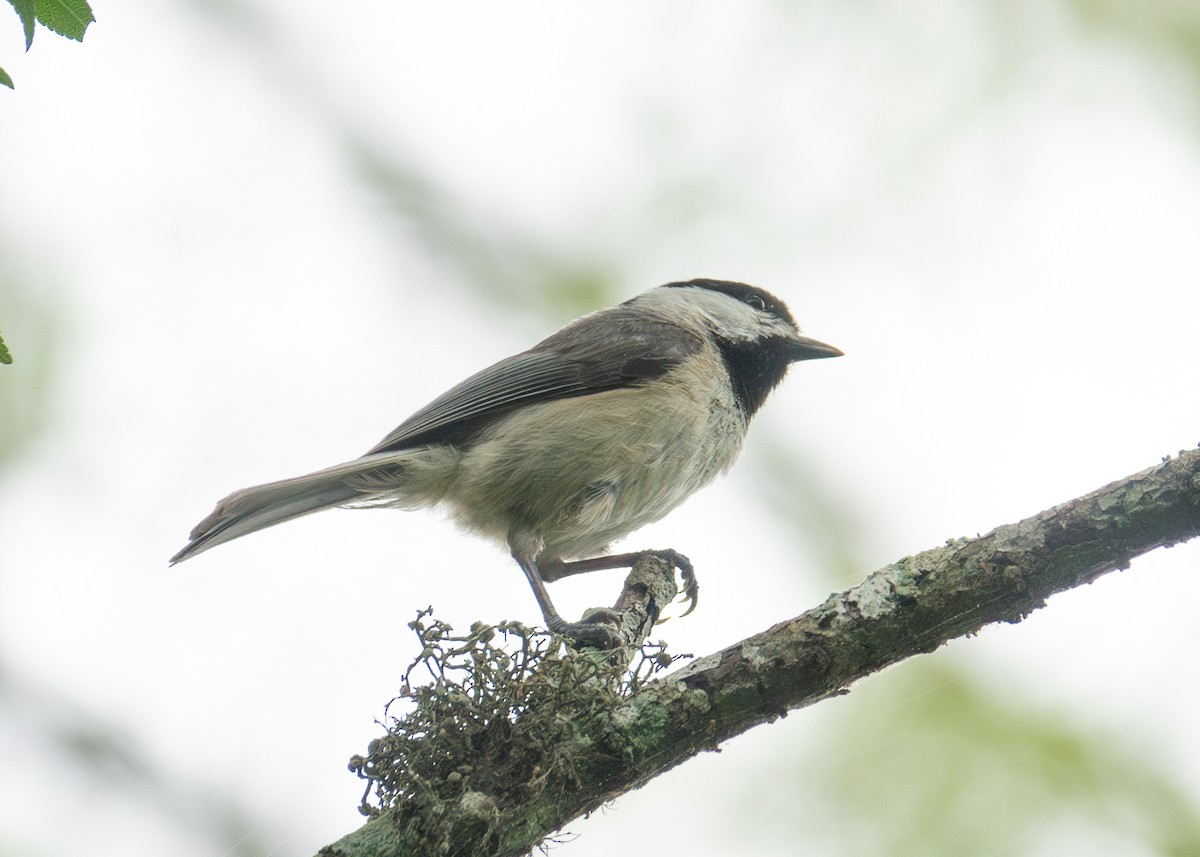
[(755, 368)]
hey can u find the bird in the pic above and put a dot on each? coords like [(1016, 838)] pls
[(558, 451)]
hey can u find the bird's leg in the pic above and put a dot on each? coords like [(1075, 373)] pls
[(589, 632), (691, 588)]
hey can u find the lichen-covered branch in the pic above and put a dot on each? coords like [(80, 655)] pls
[(909, 607)]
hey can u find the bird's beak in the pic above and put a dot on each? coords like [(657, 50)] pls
[(803, 348)]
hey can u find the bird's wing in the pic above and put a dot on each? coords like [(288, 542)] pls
[(603, 351)]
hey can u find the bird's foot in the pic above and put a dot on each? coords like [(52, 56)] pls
[(691, 588), (598, 628)]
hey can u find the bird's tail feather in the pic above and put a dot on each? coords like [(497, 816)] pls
[(263, 506)]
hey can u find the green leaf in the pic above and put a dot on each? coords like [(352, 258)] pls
[(26, 11), (68, 18), (5, 79), (5, 355)]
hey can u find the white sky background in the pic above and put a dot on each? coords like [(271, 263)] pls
[(999, 232)]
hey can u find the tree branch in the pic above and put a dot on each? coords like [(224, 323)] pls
[(909, 607)]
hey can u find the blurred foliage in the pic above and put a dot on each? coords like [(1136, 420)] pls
[(502, 264), (1152, 27), (96, 750), (490, 256), (100, 751), (25, 388), (814, 509), (74, 739), (939, 762)]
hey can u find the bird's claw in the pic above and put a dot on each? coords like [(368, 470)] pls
[(691, 587)]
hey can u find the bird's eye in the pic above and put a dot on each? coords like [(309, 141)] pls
[(757, 302)]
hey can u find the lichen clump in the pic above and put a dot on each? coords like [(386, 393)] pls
[(494, 716)]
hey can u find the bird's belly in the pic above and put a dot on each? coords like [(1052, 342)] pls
[(576, 474)]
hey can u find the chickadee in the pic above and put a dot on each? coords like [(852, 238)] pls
[(603, 427)]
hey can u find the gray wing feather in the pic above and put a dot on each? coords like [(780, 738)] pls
[(604, 351)]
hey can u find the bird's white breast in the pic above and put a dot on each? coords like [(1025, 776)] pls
[(578, 473)]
